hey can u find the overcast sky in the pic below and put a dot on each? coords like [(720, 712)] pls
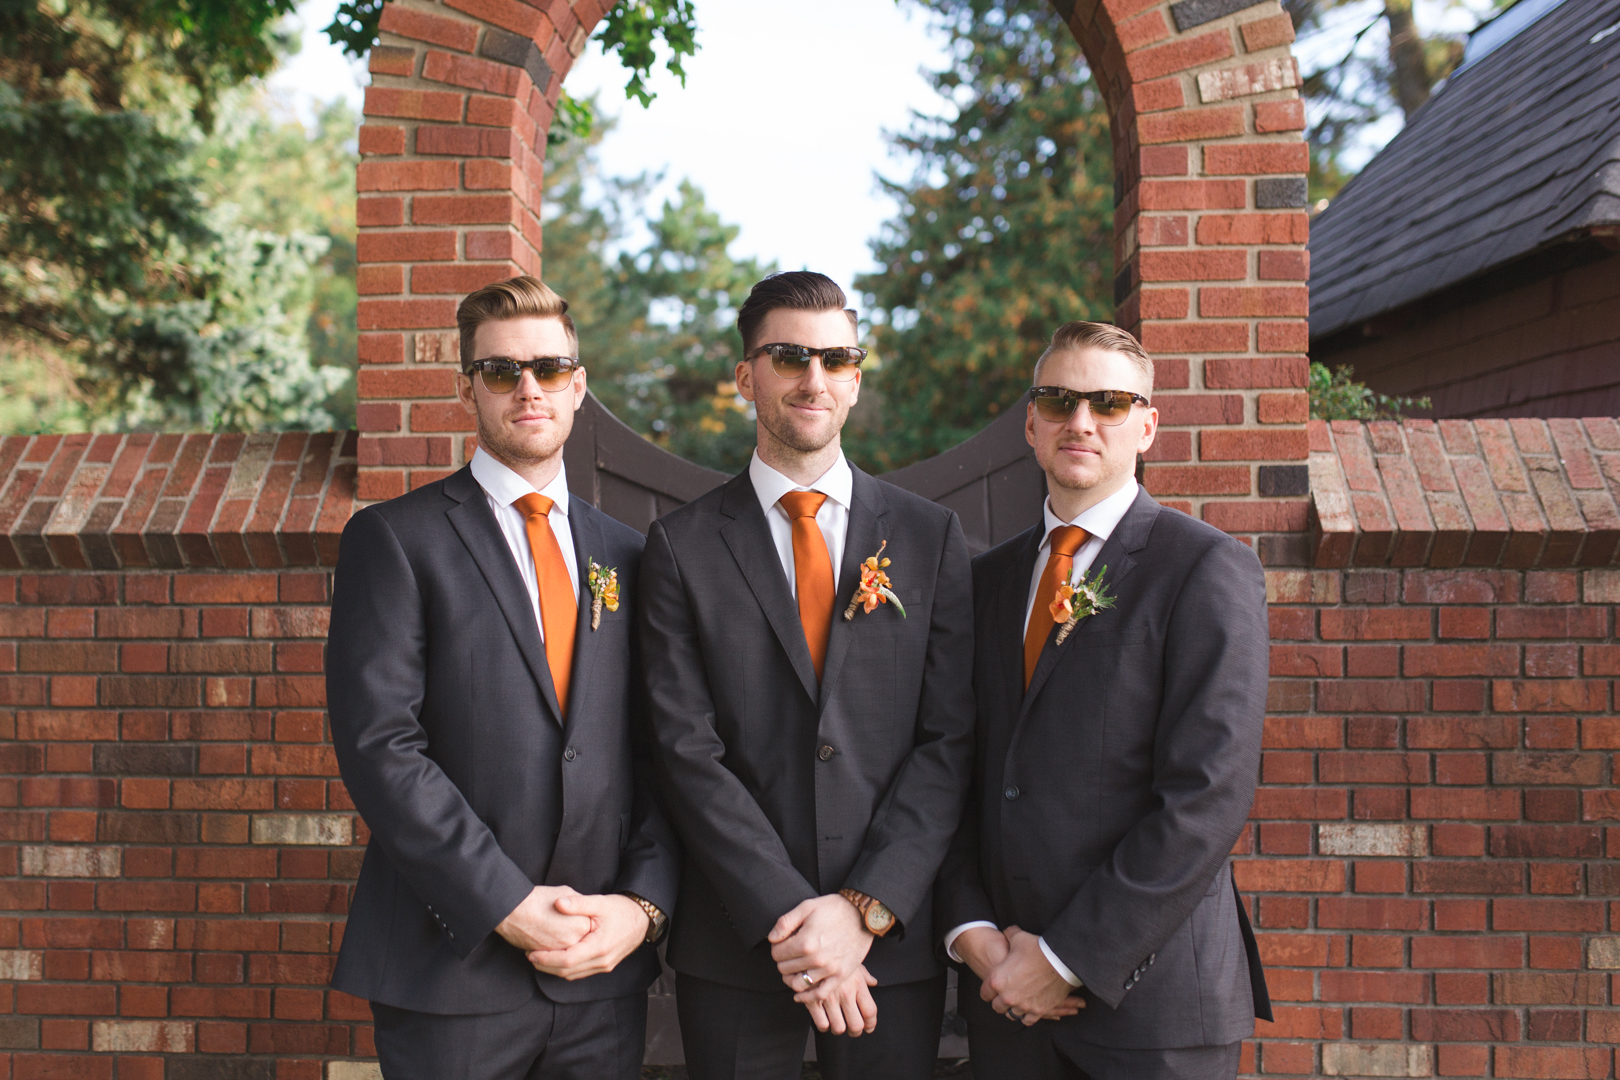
[(781, 121)]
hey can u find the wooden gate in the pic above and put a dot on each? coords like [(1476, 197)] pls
[(991, 480)]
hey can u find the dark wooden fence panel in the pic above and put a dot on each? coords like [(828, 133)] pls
[(991, 480)]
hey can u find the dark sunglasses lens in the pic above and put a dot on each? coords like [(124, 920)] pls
[(553, 377), (503, 381), (790, 366), (1053, 407), (1108, 406)]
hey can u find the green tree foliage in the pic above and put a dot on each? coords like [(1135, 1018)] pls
[(631, 28), (130, 293), (1335, 395), (656, 322), (1005, 231)]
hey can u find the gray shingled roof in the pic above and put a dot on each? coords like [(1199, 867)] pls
[(1520, 149)]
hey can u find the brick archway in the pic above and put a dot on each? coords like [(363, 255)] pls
[(1210, 228)]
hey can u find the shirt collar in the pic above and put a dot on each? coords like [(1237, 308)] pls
[(837, 483), (1099, 520), (507, 487)]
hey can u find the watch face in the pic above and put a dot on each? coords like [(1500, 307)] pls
[(878, 918)]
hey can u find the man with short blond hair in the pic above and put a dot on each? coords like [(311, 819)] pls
[(483, 685), (1121, 657)]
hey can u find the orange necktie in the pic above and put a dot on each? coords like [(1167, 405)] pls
[(812, 572), (559, 610), (1066, 540)]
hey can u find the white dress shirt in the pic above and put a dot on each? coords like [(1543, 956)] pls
[(837, 483), (1099, 520), (503, 487)]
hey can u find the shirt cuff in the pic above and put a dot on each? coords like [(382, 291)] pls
[(1057, 965), (950, 938)]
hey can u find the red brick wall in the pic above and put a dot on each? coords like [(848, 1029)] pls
[(1430, 853), (1431, 862)]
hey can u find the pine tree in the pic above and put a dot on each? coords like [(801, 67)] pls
[(1005, 231)]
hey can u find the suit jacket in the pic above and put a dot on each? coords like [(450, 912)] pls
[(1107, 798), (448, 735), (783, 790)]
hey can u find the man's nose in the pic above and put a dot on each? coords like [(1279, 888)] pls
[(1083, 422), (815, 377), (528, 388)]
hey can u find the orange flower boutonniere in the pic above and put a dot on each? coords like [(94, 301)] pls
[(1078, 598), (875, 587), (604, 583)]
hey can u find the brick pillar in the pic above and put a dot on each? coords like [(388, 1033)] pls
[(452, 160), (1210, 230)]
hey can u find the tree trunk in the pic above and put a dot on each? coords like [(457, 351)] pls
[(1411, 68)]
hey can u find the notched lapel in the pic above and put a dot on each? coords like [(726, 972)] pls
[(1129, 536), (868, 529), (749, 538), (475, 523), (588, 545), (1008, 626)]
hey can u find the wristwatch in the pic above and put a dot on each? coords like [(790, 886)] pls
[(657, 921), (878, 919)]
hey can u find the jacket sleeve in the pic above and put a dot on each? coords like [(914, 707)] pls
[(916, 818), (651, 864), (959, 895), (727, 834), (1206, 762), (376, 675)]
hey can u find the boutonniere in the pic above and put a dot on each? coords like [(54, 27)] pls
[(875, 587), (1077, 598), (604, 583)]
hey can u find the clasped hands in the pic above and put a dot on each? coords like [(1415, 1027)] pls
[(572, 936), (1015, 976), (819, 947)]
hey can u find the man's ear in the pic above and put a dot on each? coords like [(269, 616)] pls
[(745, 379), (466, 394)]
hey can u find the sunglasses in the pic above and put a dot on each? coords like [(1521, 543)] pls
[(1109, 407), (792, 361), (501, 374)]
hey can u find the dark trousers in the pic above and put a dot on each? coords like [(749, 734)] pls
[(541, 1040), (735, 1034), (1003, 1049)]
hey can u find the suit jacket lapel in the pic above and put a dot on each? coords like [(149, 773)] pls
[(867, 531), (1007, 618), (588, 545), (1129, 535), (749, 538), (475, 523)]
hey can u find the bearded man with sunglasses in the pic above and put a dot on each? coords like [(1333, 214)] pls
[(808, 643), (1088, 893), (484, 712)]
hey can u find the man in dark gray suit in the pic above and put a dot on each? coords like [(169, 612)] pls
[(1089, 886), (483, 686), (808, 644)]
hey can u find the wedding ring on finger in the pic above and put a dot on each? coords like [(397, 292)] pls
[(808, 981)]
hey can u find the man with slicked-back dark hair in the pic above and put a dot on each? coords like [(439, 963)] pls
[(808, 641)]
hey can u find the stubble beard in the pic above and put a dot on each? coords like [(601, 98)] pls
[(773, 421), (514, 451)]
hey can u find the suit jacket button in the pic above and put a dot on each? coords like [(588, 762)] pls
[(1011, 792), (826, 753), (569, 754)]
